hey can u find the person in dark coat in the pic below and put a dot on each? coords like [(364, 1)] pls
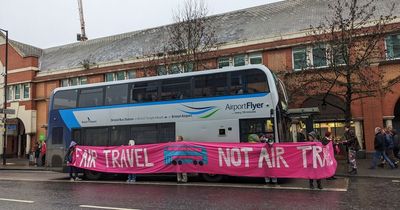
[(313, 137), (352, 143), (396, 144), (379, 145)]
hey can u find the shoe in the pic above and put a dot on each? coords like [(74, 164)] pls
[(353, 172), (320, 186), (312, 186), (128, 180), (78, 179), (133, 180), (72, 179)]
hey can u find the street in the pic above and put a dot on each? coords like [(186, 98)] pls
[(48, 191)]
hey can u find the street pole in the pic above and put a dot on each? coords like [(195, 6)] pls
[(5, 99)]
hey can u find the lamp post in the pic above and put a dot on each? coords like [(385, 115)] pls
[(5, 99)]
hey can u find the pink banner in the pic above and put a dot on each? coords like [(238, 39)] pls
[(310, 160)]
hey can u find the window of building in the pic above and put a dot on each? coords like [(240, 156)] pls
[(120, 75), (299, 58), (26, 88), (223, 62), (74, 81), (162, 70), (239, 60), (109, 77), (18, 92), (131, 74), (255, 58), (393, 46), (319, 56)]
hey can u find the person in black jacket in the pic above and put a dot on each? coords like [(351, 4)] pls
[(352, 143), (396, 144), (379, 145)]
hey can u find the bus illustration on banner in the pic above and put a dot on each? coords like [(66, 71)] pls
[(181, 154)]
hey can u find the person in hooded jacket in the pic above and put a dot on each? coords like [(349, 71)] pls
[(73, 171)]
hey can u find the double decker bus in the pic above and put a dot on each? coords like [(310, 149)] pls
[(220, 105)]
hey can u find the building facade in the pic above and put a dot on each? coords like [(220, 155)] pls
[(272, 34)]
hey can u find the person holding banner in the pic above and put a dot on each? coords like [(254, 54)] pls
[(313, 137), (181, 177), (253, 138), (68, 158), (131, 177)]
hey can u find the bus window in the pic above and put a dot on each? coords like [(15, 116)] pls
[(210, 85), (116, 94), (65, 99), (90, 97), (256, 81), (237, 83), (144, 92), (76, 136), (173, 89), (96, 136), (119, 136), (57, 135)]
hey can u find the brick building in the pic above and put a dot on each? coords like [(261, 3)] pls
[(270, 34)]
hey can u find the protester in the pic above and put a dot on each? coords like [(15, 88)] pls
[(43, 151), (264, 139), (73, 171), (353, 146), (181, 177), (38, 147), (300, 136), (313, 137), (325, 141), (379, 145), (131, 177)]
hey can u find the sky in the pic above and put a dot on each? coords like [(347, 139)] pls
[(48, 23)]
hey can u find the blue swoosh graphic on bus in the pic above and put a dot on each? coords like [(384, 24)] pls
[(190, 107), (197, 112)]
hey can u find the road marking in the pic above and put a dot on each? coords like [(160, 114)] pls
[(15, 200), (396, 181), (104, 207)]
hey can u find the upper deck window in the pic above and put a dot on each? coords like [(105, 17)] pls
[(65, 99), (90, 97), (116, 94)]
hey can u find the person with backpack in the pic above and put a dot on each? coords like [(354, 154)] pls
[(379, 145), (73, 171)]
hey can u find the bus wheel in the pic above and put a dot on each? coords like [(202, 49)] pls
[(194, 162), (212, 177), (92, 175)]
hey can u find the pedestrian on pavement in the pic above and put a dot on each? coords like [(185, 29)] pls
[(379, 145), (325, 141), (313, 137), (37, 153), (73, 171), (43, 151), (181, 177), (396, 144), (352, 143), (131, 177), (389, 145)]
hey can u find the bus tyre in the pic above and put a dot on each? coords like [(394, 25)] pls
[(174, 162), (92, 175), (200, 162), (212, 177), (194, 162), (179, 162)]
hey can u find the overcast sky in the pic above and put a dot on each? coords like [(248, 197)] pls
[(47, 23)]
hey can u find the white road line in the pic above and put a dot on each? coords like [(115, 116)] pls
[(396, 181), (15, 200), (104, 207)]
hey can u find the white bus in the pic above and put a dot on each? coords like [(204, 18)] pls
[(220, 105)]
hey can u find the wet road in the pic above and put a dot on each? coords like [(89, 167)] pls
[(363, 193)]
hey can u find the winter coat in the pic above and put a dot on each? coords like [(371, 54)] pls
[(351, 139), (396, 141), (388, 141), (379, 142)]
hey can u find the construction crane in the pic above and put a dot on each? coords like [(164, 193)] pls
[(82, 36)]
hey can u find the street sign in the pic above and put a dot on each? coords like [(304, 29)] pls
[(7, 111)]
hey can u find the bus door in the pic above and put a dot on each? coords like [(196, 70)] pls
[(259, 126)]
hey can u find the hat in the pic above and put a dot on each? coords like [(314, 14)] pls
[(131, 142), (313, 134), (72, 144)]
